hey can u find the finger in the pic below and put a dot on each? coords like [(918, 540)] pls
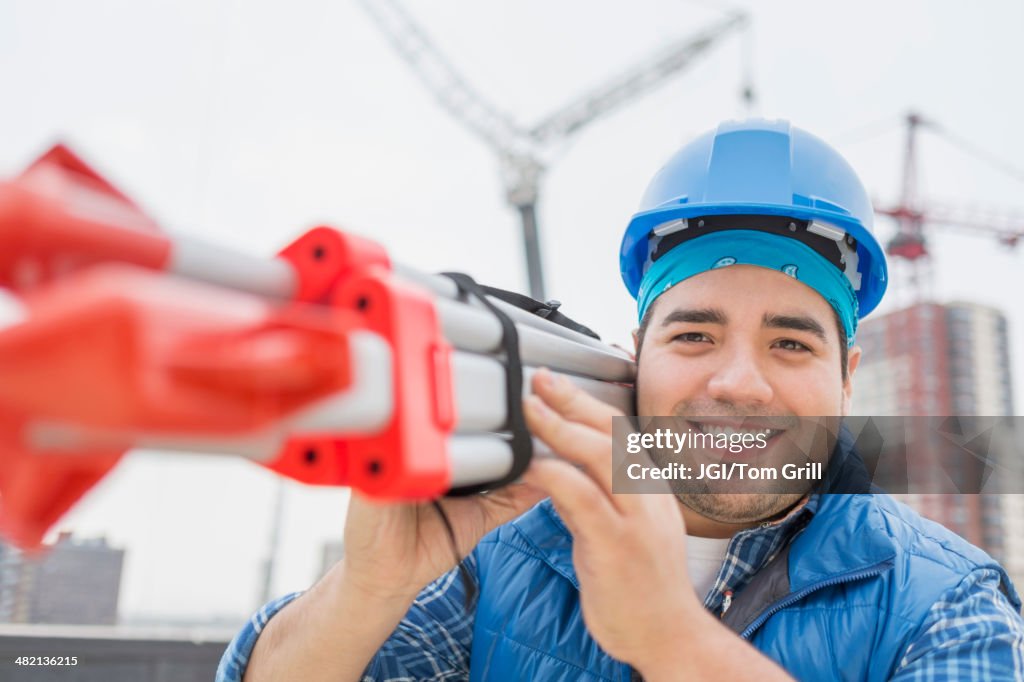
[(572, 402), (576, 442), (584, 446), (586, 510)]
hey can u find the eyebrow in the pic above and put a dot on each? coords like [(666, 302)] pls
[(695, 316), (800, 323)]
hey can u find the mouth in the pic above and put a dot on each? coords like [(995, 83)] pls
[(731, 428)]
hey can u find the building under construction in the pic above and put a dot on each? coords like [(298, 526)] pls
[(935, 359)]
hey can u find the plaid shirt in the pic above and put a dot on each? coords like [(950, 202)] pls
[(972, 633)]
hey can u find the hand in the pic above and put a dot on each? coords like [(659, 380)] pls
[(392, 551), (629, 550)]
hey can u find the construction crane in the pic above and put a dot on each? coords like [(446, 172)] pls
[(522, 150), (909, 244)]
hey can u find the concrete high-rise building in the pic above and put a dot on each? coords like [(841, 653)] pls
[(940, 360), (74, 581)]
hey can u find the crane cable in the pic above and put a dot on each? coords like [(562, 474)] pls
[(979, 154)]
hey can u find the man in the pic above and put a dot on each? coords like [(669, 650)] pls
[(751, 259)]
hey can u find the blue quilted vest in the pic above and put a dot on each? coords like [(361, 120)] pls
[(843, 603)]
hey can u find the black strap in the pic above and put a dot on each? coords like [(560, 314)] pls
[(522, 444), (783, 226), (548, 310)]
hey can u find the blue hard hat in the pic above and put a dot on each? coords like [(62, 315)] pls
[(767, 168)]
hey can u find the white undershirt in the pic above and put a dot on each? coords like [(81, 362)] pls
[(704, 557)]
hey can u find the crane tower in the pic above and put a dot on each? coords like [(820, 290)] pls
[(521, 149)]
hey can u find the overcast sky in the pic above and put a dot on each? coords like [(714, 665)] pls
[(245, 123)]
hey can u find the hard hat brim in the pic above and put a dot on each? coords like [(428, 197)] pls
[(873, 269)]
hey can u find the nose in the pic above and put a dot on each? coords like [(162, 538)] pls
[(740, 381)]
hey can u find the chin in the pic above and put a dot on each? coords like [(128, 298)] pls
[(739, 508)]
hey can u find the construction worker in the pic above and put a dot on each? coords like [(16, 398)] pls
[(752, 259)]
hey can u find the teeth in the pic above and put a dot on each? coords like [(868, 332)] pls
[(730, 431)]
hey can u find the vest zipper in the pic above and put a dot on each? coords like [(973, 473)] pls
[(794, 597)]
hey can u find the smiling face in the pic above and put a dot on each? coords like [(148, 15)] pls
[(739, 342)]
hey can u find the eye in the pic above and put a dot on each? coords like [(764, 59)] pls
[(791, 345), (690, 337)]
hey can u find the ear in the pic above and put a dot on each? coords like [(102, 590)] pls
[(852, 362), (636, 341)]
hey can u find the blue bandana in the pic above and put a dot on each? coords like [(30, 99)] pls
[(750, 247)]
